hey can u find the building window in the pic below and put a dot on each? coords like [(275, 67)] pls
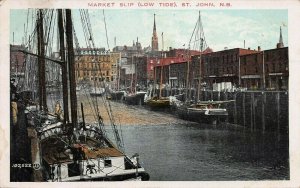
[(107, 163)]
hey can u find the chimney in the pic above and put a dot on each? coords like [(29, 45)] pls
[(248, 48), (258, 48)]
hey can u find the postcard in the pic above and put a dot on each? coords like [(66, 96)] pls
[(172, 93)]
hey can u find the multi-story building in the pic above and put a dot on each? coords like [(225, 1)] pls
[(129, 51), (221, 66), (96, 65), (265, 70), (17, 60), (243, 68)]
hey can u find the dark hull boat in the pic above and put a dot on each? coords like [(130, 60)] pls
[(135, 99), (117, 95), (158, 103), (202, 115)]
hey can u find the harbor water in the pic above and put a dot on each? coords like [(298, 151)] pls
[(197, 152), (172, 149)]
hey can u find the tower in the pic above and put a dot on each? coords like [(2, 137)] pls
[(154, 38), (280, 43)]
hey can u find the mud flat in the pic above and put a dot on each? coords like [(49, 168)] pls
[(128, 115)]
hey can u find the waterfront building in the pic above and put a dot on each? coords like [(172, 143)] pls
[(268, 69), (96, 65), (17, 60), (242, 68)]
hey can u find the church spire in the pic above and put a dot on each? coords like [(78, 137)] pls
[(280, 43), (154, 37), (280, 37), (154, 25)]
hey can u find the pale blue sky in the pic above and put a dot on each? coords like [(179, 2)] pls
[(222, 28)]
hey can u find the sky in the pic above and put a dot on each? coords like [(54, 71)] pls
[(222, 28)]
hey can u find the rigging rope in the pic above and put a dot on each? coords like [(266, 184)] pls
[(105, 29)]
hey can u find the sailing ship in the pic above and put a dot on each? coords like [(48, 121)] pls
[(63, 148), (203, 111), (134, 97), (198, 110), (159, 101), (117, 94)]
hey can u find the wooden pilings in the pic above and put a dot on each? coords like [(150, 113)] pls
[(256, 110)]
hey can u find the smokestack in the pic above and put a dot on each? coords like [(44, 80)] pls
[(258, 48), (248, 48)]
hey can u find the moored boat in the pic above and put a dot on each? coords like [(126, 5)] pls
[(203, 112), (156, 102), (135, 98)]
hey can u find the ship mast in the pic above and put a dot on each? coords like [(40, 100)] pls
[(162, 66), (200, 66), (71, 64), (63, 67), (41, 60)]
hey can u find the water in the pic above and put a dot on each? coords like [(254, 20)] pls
[(199, 152), (203, 153)]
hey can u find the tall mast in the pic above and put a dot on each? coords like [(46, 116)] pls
[(135, 71), (131, 82), (71, 64), (201, 39), (64, 66), (119, 72), (162, 66), (41, 64), (187, 74)]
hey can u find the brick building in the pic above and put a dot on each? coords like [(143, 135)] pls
[(141, 71), (221, 66), (17, 60), (267, 69), (96, 65), (243, 68)]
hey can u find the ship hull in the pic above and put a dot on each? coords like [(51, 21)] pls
[(158, 103), (210, 116), (135, 99), (117, 95)]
